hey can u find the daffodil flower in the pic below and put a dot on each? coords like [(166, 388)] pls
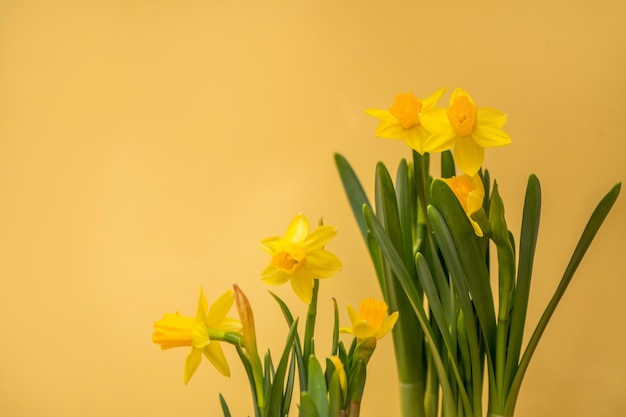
[(299, 257), (201, 333), (470, 192), (466, 128), (371, 321), (402, 120)]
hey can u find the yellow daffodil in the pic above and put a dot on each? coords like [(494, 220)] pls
[(466, 128), (371, 321), (201, 333), (402, 120), (299, 257), (471, 193)]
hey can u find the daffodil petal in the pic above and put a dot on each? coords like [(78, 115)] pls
[(303, 287), (388, 324), (269, 271), (298, 229), (347, 330), (229, 325), (202, 307), (441, 141), (215, 355), (431, 101), (384, 115), (200, 336), (435, 120), (319, 237), (468, 155), (460, 92), (220, 308), (354, 316), (276, 278), (191, 364), (416, 138), (391, 130), (322, 264), (491, 117), (272, 244), (490, 137), (363, 330)]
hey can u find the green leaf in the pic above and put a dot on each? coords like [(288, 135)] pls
[(466, 244), (307, 406), (415, 299), (447, 165), (335, 395), (224, 405), (274, 406), (591, 229), (317, 387), (436, 308), (354, 191), (528, 243), (297, 346), (462, 287)]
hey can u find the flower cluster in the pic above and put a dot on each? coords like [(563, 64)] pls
[(298, 257), (463, 128)]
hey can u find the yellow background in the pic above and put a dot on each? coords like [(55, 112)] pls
[(146, 147)]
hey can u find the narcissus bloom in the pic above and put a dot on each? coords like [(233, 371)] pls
[(371, 321), (201, 333), (471, 193), (300, 257), (402, 120), (466, 128)]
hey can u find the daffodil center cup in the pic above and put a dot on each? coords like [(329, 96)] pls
[(289, 260), (463, 116), (406, 109)]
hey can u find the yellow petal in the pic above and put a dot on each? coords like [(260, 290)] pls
[(322, 264), (215, 355), (431, 101), (384, 115), (460, 92), (391, 130), (354, 316), (220, 308), (441, 141), (416, 138), (276, 278), (298, 229), (191, 364), (490, 137), (319, 238), (272, 244), (229, 325), (363, 330), (200, 336), (202, 307), (491, 117), (387, 325), (468, 155), (303, 286)]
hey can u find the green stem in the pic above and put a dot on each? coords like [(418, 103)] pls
[(309, 331)]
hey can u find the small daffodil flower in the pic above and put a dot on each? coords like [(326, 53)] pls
[(470, 192), (299, 257), (371, 321), (201, 333), (402, 120), (466, 128)]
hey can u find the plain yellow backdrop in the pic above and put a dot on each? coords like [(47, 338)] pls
[(147, 146)]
